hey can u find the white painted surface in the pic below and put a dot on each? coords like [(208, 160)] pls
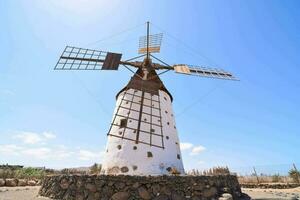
[(127, 156)]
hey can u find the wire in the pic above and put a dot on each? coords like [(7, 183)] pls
[(102, 107), (114, 35), (197, 53), (199, 99)]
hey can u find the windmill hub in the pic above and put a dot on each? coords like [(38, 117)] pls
[(142, 139)]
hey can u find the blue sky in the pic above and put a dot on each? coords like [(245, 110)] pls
[(60, 119)]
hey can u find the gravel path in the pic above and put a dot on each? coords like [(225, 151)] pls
[(31, 193)]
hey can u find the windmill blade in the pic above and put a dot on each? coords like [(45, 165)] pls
[(203, 71), (74, 58), (154, 43)]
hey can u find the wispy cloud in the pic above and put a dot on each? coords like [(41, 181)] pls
[(89, 155), (197, 150), (194, 149), (185, 146), (34, 138)]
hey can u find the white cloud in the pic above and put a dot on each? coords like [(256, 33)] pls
[(197, 149), (185, 146), (34, 138), (10, 149), (49, 135), (89, 155)]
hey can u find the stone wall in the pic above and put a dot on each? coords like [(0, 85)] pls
[(13, 182), (103, 187), (270, 185)]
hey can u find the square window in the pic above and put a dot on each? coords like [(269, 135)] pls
[(123, 123)]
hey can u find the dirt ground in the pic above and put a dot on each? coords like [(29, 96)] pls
[(31, 193)]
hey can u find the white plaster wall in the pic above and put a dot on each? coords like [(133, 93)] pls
[(128, 157)]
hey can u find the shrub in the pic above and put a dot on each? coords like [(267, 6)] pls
[(276, 178), (295, 175)]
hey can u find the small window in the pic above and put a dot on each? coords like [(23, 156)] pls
[(166, 112), (152, 130), (134, 167), (178, 156), (176, 143), (134, 148), (134, 131), (119, 147), (175, 127), (120, 132), (165, 98), (168, 123), (126, 102), (145, 119), (149, 154), (123, 123), (167, 137)]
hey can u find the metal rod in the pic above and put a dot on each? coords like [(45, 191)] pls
[(147, 40)]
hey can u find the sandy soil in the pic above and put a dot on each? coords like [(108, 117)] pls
[(273, 194), (31, 193), (20, 193)]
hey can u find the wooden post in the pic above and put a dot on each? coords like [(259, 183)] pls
[(256, 175), (297, 172)]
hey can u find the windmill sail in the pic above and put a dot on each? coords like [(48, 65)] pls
[(203, 71), (154, 43), (74, 58)]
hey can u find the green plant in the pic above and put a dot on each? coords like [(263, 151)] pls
[(95, 168), (295, 175), (276, 178)]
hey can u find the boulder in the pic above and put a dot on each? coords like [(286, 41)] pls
[(226, 196), (22, 182), (210, 193), (91, 187), (2, 182), (120, 196), (144, 194), (64, 183), (31, 183), (10, 182)]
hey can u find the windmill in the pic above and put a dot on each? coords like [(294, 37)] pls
[(142, 139)]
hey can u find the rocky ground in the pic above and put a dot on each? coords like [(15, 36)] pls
[(31, 193)]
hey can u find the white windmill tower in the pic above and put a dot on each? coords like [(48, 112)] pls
[(142, 139)]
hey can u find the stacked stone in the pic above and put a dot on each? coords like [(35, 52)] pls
[(13, 182), (140, 187), (270, 186)]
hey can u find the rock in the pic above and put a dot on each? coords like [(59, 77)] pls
[(144, 194), (120, 185), (155, 189), (79, 197), (124, 169), (136, 185), (120, 196), (2, 182), (91, 187), (64, 184), (11, 182), (177, 197), (161, 197), (226, 196), (210, 193), (31, 183), (22, 182)]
